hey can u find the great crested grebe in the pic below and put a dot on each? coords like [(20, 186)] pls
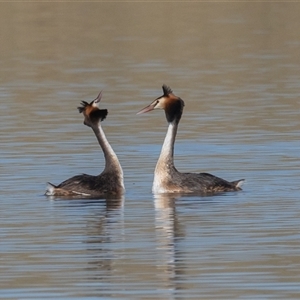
[(110, 182), (166, 177)]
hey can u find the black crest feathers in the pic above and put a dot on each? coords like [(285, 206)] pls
[(167, 90), (84, 105), (94, 114)]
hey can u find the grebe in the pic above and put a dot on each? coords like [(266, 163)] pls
[(166, 177), (110, 181)]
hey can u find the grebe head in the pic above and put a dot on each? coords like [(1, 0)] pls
[(172, 105), (92, 112)]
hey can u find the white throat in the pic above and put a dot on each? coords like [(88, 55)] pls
[(111, 160), (165, 163)]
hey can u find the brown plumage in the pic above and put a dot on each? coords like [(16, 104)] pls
[(167, 179), (110, 181)]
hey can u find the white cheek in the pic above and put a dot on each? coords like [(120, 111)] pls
[(96, 104), (159, 105)]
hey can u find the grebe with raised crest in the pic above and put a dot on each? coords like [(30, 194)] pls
[(167, 179), (110, 182)]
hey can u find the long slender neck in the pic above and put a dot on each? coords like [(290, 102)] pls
[(166, 158), (111, 160)]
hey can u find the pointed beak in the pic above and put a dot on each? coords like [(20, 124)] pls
[(146, 109), (98, 99)]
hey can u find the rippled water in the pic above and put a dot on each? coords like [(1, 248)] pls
[(235, 65)]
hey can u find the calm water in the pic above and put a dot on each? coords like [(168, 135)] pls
[(236, 65)]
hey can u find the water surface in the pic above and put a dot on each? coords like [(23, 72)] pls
[(236, 67)]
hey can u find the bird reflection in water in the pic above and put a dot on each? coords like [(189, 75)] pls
[(169, 232), (104, 234)]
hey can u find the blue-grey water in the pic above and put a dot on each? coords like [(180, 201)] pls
[(236, 65)]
